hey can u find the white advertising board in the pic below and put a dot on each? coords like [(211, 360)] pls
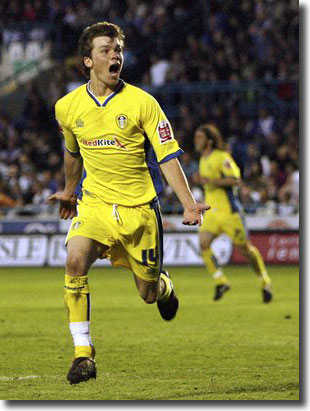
[(57, 252), (179, 249), (23, 250)]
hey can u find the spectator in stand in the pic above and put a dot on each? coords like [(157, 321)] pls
[(54, 161), (266, 124), (282, 157), (99, 8), (25, 183), (70, 17), (40, 8), (256, 183), (289, 192), (35, 112), (13, 11), (41, 193), (29, 13), (84, 16), (252, 156), (25, 164), (177, 70), (48, 180), (12, 177), (158, 70), (13, 148), (5, 199), (276, 174)]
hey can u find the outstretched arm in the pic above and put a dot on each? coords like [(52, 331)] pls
[(73, 165), (221, 182), (178, 182)]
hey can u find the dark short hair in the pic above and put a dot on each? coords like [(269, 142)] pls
[(214, 134), (99, 29)]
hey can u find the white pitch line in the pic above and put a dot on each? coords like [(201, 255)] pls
[(27, 377)]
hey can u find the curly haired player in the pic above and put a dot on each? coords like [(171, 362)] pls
[(220, 175)]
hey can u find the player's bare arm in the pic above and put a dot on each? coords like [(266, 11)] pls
[(73, 166), (221, 182), (178, 182)]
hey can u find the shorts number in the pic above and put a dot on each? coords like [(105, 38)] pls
[(149, 256)]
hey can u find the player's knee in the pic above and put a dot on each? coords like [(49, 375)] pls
[(76, 264), (244, 250), (204, 245), (204, 242)]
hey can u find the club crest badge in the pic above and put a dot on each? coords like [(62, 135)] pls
[(77, 225), (79, 123), (122, 121)]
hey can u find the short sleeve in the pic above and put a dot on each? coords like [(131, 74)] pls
[(229, 168), (159, 131), (71, 143)]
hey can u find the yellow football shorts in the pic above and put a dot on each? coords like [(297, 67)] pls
[(217, 222), (134, 235)]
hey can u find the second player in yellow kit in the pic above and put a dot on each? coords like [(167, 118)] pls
[(224, 215), (220, 177)]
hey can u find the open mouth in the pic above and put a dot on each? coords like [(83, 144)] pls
[(115, 68)]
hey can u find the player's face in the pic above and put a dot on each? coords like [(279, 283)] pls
[(106, 60), (200, 141)]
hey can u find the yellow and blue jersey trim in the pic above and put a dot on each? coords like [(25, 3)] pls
[(153, 165), (119, 87)]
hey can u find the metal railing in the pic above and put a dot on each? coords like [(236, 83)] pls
[(278, 96), (47, 211)]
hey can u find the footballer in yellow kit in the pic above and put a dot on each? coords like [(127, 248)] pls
[(224, 215), (121, 138), (220, 177)]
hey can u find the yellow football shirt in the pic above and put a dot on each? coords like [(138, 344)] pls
[(121, 138), (219, 164)]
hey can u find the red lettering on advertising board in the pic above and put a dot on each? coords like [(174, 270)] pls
[(276, 248)]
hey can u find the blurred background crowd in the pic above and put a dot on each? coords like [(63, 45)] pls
[(205, 61)]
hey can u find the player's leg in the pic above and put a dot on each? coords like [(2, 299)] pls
[(167, 301), (81, 253), (253, 255), (144, 254), (148, 290), (221, 284), (236, 229), (162, 292)]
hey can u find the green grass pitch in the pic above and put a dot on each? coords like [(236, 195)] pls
[(234, 349)]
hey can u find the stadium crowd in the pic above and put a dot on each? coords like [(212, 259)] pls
[(169, 42)]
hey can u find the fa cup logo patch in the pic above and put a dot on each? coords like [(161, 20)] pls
[(121, 121), (164, 132)]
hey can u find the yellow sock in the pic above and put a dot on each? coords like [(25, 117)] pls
[(219, 277), (77, 302), (212, 266), (259, 265), (168, 288)]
